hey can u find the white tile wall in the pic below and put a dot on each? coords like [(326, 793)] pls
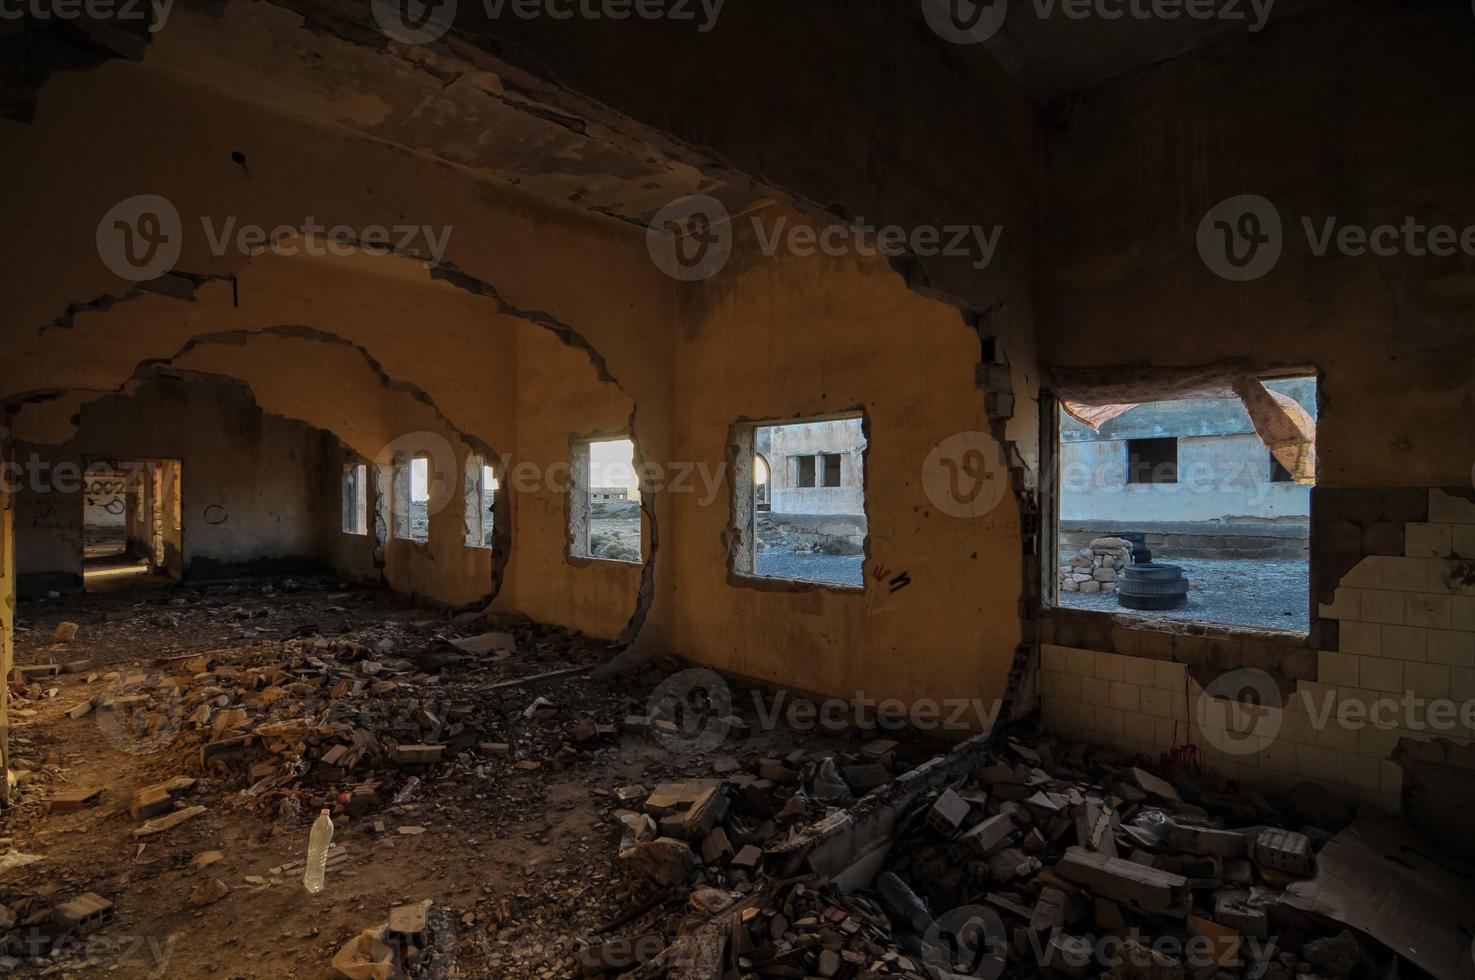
[(1406, 626)]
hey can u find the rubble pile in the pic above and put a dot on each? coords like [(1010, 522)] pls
[(1042, 859), (1096, 567)]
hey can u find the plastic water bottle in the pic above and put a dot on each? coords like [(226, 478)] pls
[(315, 876)]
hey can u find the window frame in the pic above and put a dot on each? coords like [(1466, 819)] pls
[(579, 501), (741, 539), (402, 496), (1051, 608), (1132, 471), (799, 477), (824, 470), (358, 476), (480, 514)]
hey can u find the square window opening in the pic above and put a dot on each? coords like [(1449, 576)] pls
[(355, 498), (804, 471), (1167, 509), (832, 469), (800, 514), (1152, 461), (605, 518), (410, 497), (481, 498)]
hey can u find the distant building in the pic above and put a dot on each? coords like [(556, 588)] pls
[(614, 493), (1190, 460), (812, 467)]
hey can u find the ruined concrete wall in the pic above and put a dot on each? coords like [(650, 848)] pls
[(600, 595), (245, 482), (623, 343), (753, 351), (351, 554), (368, 348), (950, 139), (1131, 168), (1296, 118)]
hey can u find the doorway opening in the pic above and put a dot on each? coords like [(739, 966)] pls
[(132, 527)]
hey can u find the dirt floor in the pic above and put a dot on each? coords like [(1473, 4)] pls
[(554, 809), (514, 839), (1261, 593)]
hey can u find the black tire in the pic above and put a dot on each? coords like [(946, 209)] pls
[(1152, 586)]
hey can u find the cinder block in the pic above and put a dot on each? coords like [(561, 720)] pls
[(1124, 881), (1453, 649), (1462, 684), (1462, 613), (1169, 675), (1125, 697), (1464, 541), (86, 913), (1285, 850), (1279, 755), (1381, 606), (1094, 690), (1336, 736), (1336, 668), (1406, 642), (1157, 703), (1295, 728), (1381, 674), (1110, 666), (1377, 743), (990, 835), (1427, 540), (1239, 911), (1111, 721), (1138, 671), (1405, 574), (1138, 726), (1427, 680), (1426, 610), (948, 813), (1182, 836), (1366, 574), (1362, 639), (1345, 604), (1445, 508), (1054, 658), (1059, 685)]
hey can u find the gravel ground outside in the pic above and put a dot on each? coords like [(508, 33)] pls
[(1261, 594), (826, 569)]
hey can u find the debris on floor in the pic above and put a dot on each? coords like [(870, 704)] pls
[(503, 809)]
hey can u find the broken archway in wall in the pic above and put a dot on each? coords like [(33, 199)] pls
[(262, 466), (364, 373)]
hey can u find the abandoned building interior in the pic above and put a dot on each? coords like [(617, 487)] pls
[(653, 488)]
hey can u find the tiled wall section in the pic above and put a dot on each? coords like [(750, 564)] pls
[(1406, 627)]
